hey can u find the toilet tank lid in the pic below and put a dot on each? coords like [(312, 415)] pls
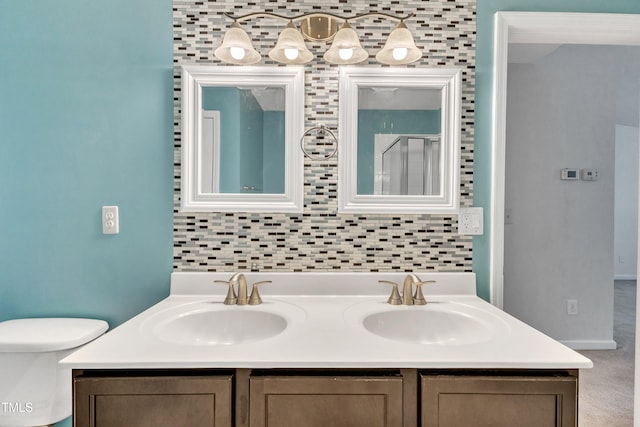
[(48, 334)]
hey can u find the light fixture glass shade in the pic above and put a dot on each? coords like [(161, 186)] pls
[(236, 47), (400, 48), (346, 48), (290, 48)]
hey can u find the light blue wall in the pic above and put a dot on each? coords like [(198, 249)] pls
[(251, 147), (483, 115), (86, 120), (274, 152)]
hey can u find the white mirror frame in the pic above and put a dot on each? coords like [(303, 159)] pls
[(194, 77), (448, 80)]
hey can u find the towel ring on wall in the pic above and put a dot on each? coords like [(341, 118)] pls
[(320, 131)]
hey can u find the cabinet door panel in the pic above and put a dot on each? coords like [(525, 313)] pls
[(326, 401), (153, 401), (453, 401)]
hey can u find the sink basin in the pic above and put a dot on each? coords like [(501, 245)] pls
[(437, 323), (213, 323)]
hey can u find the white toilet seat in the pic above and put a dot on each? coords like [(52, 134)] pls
[(48, 334)]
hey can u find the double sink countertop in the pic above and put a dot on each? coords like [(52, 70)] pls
[(324, 320)]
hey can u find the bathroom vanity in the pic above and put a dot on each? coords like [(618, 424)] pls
[(325, 349), (319, 398)]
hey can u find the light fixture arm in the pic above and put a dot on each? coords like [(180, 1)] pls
[(283, 18)]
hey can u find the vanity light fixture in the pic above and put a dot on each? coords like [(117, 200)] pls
[(346, 48), (236, 47), (399, 48), (290, 48)]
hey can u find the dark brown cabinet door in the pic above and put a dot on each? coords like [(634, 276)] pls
[(343, 401), (163, 401), (494, 401)]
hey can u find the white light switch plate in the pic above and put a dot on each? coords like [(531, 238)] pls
[(470, 221)]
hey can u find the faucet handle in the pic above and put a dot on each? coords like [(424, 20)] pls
[(394, 299), (231, 297), (255, 299), (418, 298)]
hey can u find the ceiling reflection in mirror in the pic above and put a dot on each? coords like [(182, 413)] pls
[(399, 141)]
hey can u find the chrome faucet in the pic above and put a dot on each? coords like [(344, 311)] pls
[(241, 298)]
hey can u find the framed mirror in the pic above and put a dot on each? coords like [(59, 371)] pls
[(400, 140), (240, 132)]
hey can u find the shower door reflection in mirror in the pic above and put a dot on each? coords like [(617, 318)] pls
[(407, 164)]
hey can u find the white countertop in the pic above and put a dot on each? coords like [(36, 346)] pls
[(324, 329)]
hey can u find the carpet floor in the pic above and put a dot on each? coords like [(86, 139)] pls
[(606, 391)]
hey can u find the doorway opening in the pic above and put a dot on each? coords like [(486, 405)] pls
[(549, 29)]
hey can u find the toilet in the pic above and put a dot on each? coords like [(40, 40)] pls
[(34, 389)]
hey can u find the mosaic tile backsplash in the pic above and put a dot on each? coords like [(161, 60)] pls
[(320, 238)]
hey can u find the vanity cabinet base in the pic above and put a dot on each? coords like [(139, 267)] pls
[(152, 400), (320, 401), (324, 397), (498, 401)]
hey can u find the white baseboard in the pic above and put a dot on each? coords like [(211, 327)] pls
[(590, 344), (625, 277)]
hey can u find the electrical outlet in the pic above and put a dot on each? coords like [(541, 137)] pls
[(110, 220), (572, 307)]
